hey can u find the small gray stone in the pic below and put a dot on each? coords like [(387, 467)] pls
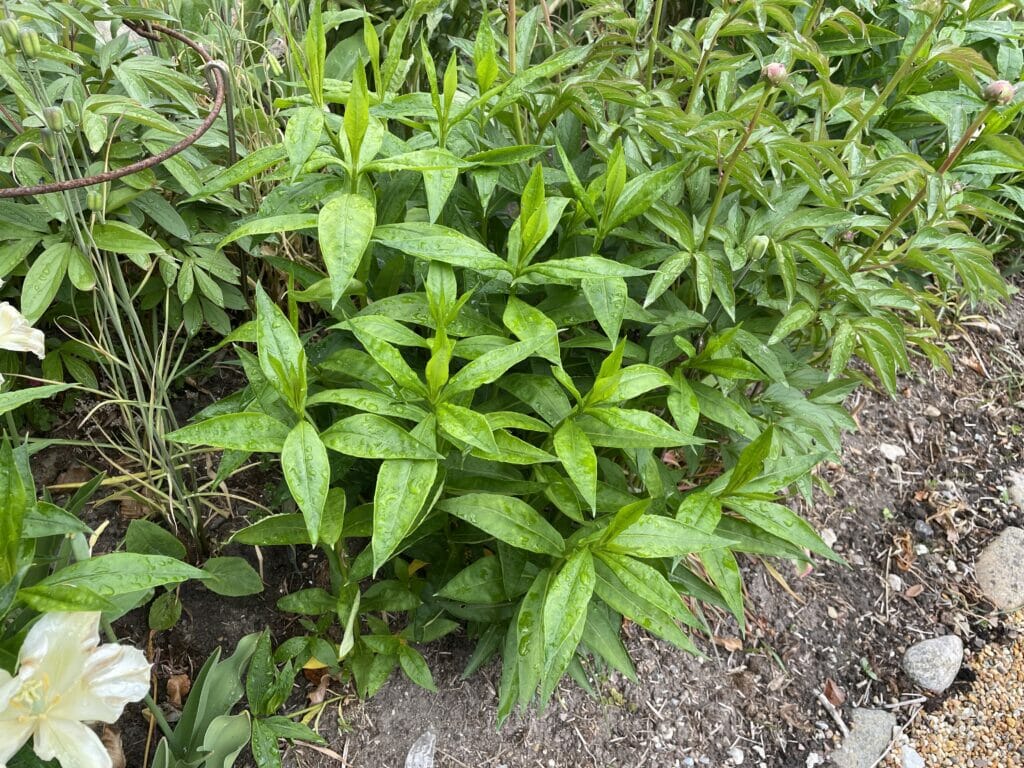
[(933, 664), (999, 571), (932, 412), (1016, 489), (911, 759), (923, 529), (869, 738), (421, 754)]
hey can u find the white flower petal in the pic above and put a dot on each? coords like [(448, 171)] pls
[(17, 335), (8, 687), (12, 735), (58, 645), (73, 744), (114, 675)]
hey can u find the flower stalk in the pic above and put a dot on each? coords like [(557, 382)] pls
[(774, 76), (900, 217)]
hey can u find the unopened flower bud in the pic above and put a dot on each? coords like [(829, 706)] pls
[(54, 119), (999, 92), (775, 73), (758, 246), (849, 236), (72, 111), (9, 32), (28, 39)]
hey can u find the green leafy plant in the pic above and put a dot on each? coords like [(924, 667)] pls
[(572, 340)]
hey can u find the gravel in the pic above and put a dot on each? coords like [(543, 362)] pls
[(933, 664), (980, 727), (999, 570)]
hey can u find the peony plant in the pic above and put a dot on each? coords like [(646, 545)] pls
[(64, 680)]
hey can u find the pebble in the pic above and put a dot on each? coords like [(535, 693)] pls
[(932, 412), (869, 737), (895, 582), (1016, 489), (911, 758), (999, 571), (736, 755), (891, 452), (933, 664), (923, 529)]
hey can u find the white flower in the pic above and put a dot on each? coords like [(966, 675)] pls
[(17, 335), (64, 679)]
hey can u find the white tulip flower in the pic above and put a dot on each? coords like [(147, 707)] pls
[(17, 335), (65, 679)]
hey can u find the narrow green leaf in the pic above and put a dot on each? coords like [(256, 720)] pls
[(255, 432), (345, 227), (576, 453), (509, 519), (307, 471)]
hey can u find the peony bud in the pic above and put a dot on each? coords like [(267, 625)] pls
[(757, 247), (999, 92), (54, 119), (775, 73), (9, 31)]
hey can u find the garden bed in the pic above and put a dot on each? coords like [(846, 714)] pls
[(910, 528)]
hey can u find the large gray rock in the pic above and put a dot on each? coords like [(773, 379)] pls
[(869, 737), (1000, 570), (933, 664)]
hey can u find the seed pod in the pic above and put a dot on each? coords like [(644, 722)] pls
[(775, 73), (274, 65), (30, 46), (54, 119), (758, 246), (9, 32), (94, 199), (49, 139), (72, 111), (999, 92)]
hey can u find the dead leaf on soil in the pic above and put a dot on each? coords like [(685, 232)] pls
[(76, 475), (791, 714), (111, 738), (835, 695), (178, 687), (319, 694), (729, 643), (914, 590), (904, 546), (132, 509)]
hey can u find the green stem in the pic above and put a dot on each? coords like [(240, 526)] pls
[(812, 18), (512, 66), (659, 7), (916, 199), (730, 164), (891, 86)]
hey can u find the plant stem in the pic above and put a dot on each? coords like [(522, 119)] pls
[(812, 18), (659, 7), (512, 66), (909, 207), (905, 67), (730, 164)]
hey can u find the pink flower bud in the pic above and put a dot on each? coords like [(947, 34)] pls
[(999, 92), (775, 73)]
